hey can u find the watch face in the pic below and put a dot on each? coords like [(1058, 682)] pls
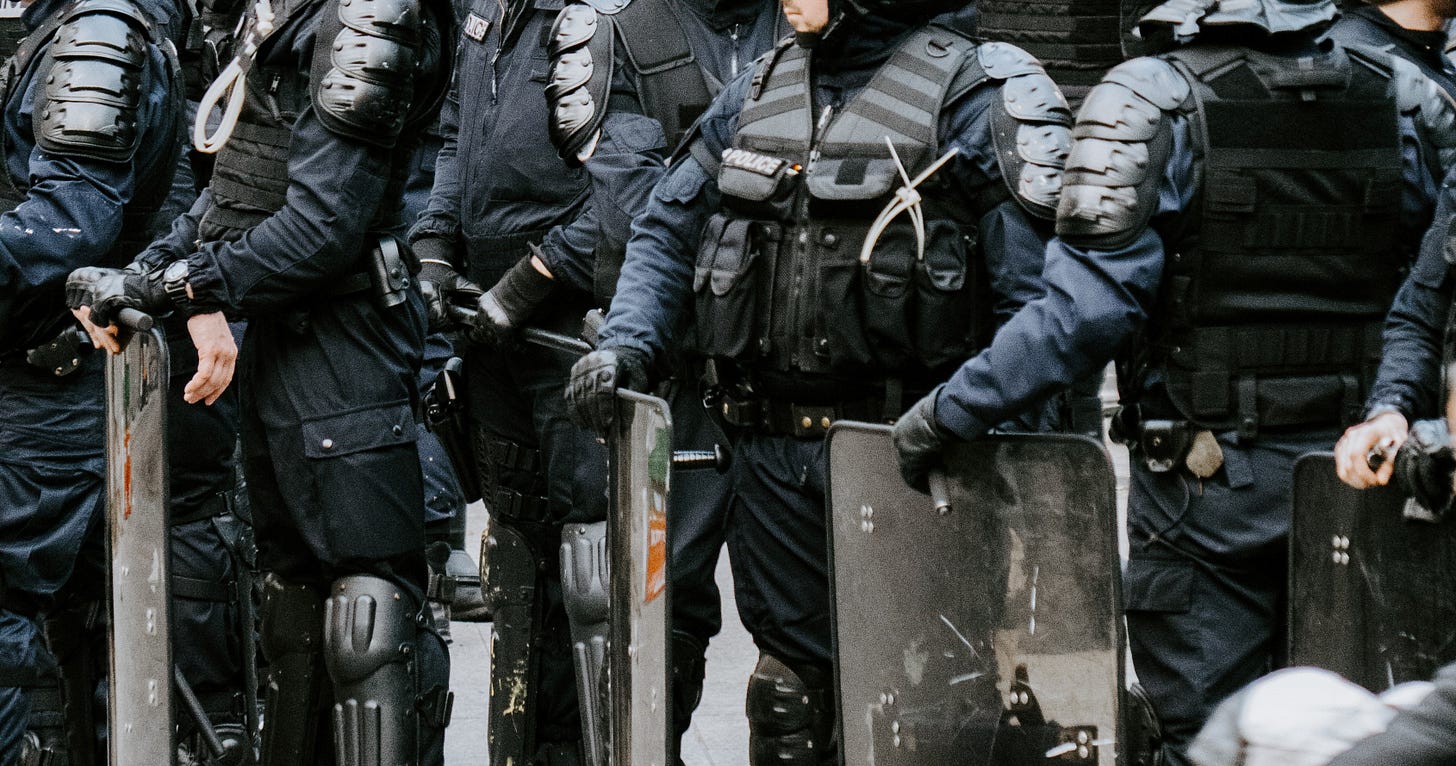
[(176, 271)]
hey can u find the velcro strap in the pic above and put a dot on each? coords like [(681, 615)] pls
[(194, 589), (515, 457), (211, 508), (435, 706), (442, 587), (510, 504)]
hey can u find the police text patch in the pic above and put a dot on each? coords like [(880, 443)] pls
[(475, 27), (753, 162)]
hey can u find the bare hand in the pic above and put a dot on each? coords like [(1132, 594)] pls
[(217, 356), (101, 337), (1385, 432)]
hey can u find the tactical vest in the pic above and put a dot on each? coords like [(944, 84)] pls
[(1076, 41), (781, 284), (250, 176), (1274, 297)]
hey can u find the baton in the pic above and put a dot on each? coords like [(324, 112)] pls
[(199, 715), (939, 492), (717, 459), (134, 320), (545, 338)]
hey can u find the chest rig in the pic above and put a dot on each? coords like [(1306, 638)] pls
[(785, 282), (1274, 296)]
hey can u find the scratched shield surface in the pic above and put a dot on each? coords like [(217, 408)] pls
[(1370, 591), (639, 662), (136, 506), (988, 634)]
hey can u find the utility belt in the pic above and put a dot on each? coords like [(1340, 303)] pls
[(60, 356), (741, 408), (389, 271)]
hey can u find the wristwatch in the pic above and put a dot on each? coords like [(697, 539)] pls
[(174, 284)]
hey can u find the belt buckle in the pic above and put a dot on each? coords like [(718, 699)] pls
[(811, 421)]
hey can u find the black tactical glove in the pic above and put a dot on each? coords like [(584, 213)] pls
[(1425, 466), (441, 285), (920, 441), (591, 396), (108, 291), (506, 306)]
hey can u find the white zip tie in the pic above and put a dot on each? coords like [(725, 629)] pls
[(907, 198), (230, 84)]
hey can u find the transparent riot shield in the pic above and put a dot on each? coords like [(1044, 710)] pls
[(988, 632), (639, 661), (1369, 591), (136, 509)]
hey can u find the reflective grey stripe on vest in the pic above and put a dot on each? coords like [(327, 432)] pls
[(902, 102)]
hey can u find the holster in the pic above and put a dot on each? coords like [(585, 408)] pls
[(444, 406), (1163, 444), (60, 355)]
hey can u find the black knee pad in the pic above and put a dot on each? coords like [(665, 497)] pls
[(790, 719), (390, 672)]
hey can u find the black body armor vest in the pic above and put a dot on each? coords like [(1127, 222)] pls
[(781, 283), (1275, 292), (250, 176)]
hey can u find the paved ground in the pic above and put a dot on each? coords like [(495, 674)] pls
[(719, 736)]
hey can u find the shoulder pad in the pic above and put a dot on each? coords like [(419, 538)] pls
[(1032, 134), (88, 106), (1110, 189), (1002, 61), (369, 69), (1433, 109), (1155, 80), (580, 81)]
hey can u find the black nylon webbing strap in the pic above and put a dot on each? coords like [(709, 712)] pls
[(194, 589)]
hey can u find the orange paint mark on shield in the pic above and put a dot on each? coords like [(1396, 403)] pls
[(126, 474), (656, 549)]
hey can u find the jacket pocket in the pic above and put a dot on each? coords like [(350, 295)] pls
[(357, 430), (1158, 585)]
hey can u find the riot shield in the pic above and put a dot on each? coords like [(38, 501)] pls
[(987, 631), (1369, 594), (639, 664), (136, 511)]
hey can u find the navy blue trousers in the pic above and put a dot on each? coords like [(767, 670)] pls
[(1206, 579)]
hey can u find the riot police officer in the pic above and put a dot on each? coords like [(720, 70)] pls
[(723, 38), (1240, 238), (810, 310), (74, 196), (289, 235), (536, 224)]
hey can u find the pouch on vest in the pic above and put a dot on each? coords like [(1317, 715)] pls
[(725, 283)]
